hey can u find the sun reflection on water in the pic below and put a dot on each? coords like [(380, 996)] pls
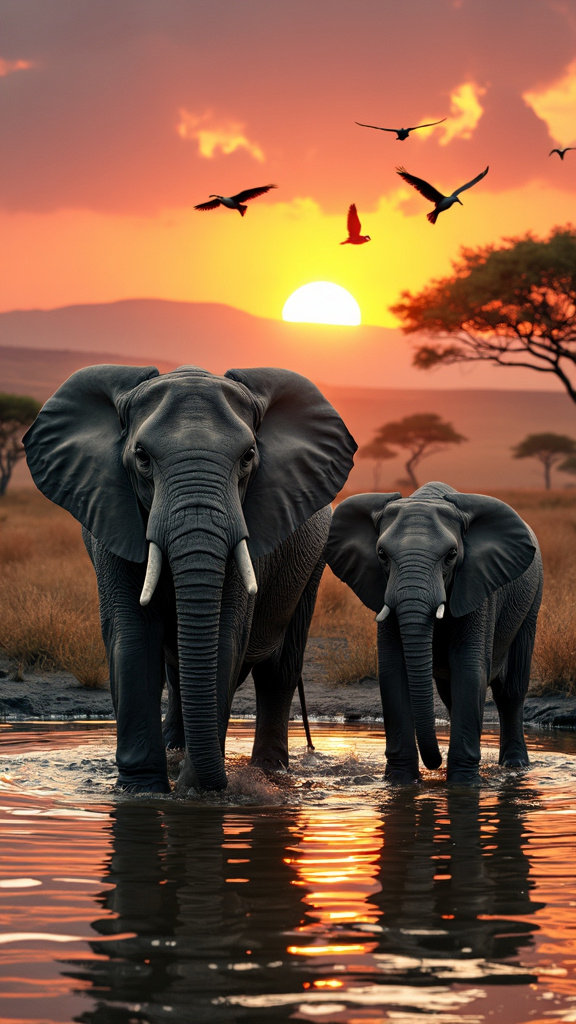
[(335, 858)]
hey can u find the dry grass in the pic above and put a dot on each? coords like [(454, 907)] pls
[(552, 516), (48, 598), (49, 605), (339, 614)]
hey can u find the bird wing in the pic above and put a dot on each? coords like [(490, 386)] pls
[(421, 186), (211, 205), (429, 125), (554, 151), (251, 193), (470, 183), (353, 223), (377, 127)]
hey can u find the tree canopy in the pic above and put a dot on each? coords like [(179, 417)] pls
[(422, 434), (379, 452), (568, 465), (550, 449), (17, 412), (513, 306)]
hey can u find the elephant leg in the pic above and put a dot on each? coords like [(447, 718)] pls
[(133, 637), (509, 693), (173, 726), (445, 693), (401, 750), (468, 688), (276, 679)]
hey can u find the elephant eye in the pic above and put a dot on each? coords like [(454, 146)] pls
[(248, 456), (142, 457), (383, 557), (451, 555)]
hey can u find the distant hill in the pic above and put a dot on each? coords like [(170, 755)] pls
[(492, 420), (219, 337)]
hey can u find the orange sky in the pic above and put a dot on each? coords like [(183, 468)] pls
[(120, 116)]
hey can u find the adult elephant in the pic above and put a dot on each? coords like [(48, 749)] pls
[(220, 485), (456, 580)]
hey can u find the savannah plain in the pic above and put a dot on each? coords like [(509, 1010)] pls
[(49, 607)]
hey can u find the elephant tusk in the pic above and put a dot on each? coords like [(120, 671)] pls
[(383, 614), (153, 570), (245, 567), (440, 611)]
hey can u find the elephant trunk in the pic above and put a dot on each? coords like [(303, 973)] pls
[(199, 527), (416, 609), (198, 576)]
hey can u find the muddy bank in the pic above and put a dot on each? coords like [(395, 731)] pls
[(54, 695)]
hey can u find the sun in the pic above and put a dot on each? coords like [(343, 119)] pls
[(321, 302)]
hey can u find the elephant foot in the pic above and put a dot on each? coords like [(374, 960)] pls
[(514, 756), (401, 776), (269, 764), (142, 787), (514, 762), (468, 779), (173, 732), (174, 739)]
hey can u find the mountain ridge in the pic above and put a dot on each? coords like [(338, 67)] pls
[(492, 420), (220, 337)]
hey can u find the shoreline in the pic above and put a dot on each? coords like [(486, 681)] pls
[(57, 696)]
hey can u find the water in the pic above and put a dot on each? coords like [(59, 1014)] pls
[(322, 895)]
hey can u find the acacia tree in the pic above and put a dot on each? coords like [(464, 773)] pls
[(422, 435), (512, 306), (379, 452), (17, 412), (549, 449), (568, 465)]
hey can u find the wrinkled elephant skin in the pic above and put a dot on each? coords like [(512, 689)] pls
[(204, 502)]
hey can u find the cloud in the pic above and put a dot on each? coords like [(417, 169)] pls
[(7, 67), (465, 112), (226, 137), (555, 104)]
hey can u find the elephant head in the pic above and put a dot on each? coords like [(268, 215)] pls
[(196, 469), (414, 556)]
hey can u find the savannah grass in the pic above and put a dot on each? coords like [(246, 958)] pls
[(49, 605), (48, 596)]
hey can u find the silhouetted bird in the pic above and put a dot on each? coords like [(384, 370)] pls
[(431, 193), (561, 151), (402, 133), (235, 202), (354, 228)]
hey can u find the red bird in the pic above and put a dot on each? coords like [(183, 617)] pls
[(354, 228)]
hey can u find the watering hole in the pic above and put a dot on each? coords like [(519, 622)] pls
[(318, 895)]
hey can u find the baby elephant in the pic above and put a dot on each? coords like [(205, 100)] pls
[(456, 580)]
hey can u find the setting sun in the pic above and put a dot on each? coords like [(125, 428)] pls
[(321, 302)]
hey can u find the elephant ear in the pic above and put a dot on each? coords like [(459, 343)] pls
[(74, 451), (498, 548), (305, 455), (351, 549)]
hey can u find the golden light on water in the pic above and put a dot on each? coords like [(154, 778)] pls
[(336, 865)]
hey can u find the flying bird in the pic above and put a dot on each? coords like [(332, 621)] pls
[(402, 133), (561, 151), (354, 228), (431, 193), (235, 202)]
